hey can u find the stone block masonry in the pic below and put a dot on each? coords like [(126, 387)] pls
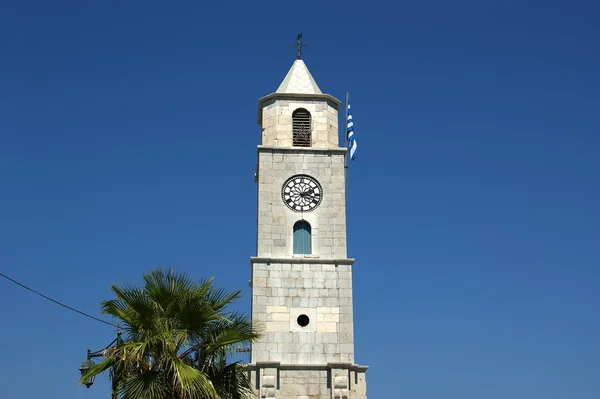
[(276, 221), (277, 121), (288, 295)]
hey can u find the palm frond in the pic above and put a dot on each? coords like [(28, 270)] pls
[(232, 381), (178, 336), (150, 385)]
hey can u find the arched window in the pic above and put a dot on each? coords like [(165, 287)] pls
[(302, 238), (301, 128)]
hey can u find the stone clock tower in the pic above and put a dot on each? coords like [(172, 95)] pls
[(301, 275)]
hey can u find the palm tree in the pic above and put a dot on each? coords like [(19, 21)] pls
[(178, 336)]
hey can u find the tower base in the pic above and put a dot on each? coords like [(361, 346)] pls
[(303, 381)]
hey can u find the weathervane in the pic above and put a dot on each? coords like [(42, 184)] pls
[(299, 45)]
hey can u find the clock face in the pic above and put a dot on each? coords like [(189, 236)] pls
[(301, 193)]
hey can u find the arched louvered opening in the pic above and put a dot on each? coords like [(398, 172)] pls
[(302, 238), (301, 128)]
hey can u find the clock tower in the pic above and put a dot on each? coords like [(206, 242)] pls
[(301, 276)]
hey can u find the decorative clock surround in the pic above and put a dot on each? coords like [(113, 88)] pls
[(302, 193)]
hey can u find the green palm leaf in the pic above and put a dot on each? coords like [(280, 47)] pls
[(178, 336)]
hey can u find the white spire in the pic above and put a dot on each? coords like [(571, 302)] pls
[(299, 81)]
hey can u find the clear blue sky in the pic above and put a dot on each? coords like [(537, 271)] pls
[(127, 142)]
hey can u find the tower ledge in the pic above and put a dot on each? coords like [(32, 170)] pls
[(328, 366), (298, 259), (273, 148)]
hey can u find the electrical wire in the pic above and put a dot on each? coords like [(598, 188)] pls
[(59, 303)]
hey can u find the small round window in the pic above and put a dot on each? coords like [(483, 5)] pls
[(303, 320)]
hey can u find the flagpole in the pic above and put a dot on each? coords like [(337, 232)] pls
[(346, 155), (346, 132)]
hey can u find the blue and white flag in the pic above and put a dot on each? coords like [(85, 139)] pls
[(352, 146)]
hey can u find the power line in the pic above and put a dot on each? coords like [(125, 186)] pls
[(58, 303)]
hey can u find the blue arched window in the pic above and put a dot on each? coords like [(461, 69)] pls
[(302, 238)]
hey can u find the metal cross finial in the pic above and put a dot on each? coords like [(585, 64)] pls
[(299, 45)]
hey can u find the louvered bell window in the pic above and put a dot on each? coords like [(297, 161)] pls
[(301, 128), (302, 238)]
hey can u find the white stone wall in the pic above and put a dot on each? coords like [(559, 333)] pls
[(303, 384), (277, 121), (276, 220), (283, 291)]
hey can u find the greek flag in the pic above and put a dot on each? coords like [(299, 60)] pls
[(352, 146)]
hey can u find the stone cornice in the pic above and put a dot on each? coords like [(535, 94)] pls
[(270, 148), (328, 366), (311, 260), (318, 96)]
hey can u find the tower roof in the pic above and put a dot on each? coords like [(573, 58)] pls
[(298, 81)]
